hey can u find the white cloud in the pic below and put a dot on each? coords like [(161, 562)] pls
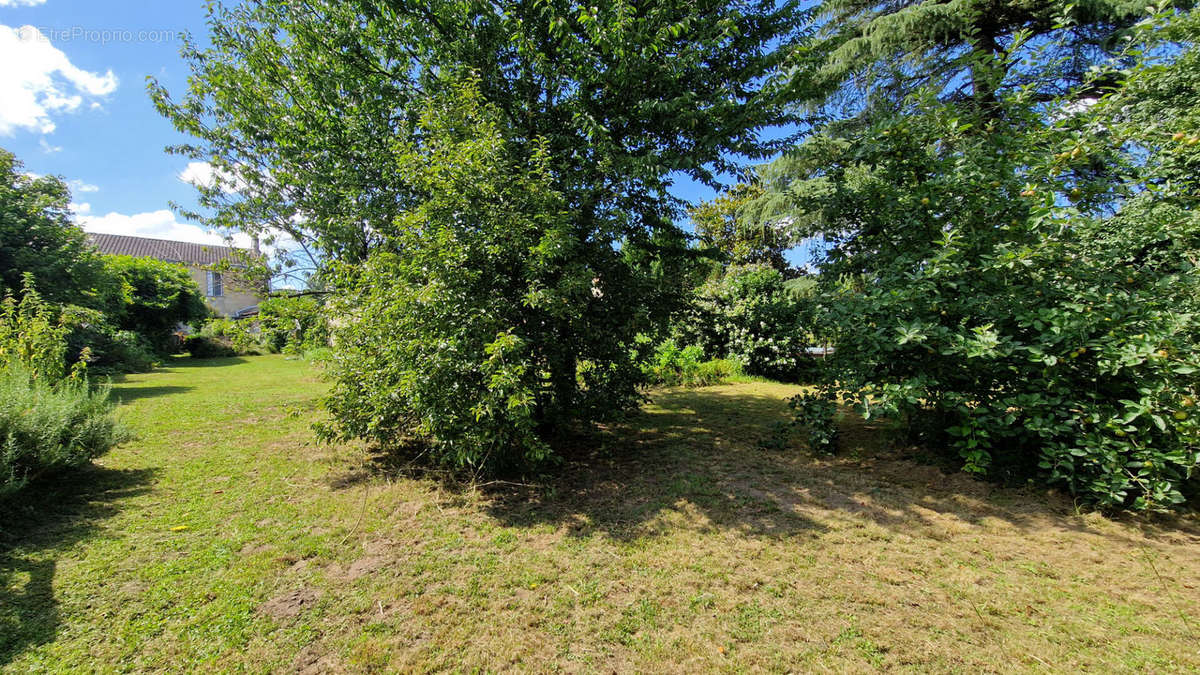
[(203, 174), (160, 224), (47, 148), (21, 3), (80, 186), (80, 209), (38, 80), (197, 173)]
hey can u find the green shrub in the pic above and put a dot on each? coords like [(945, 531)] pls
[(482, 326), (209, 347), (672, 366), (227, 337), (158, 297), (33, 337), (49, 416), (1025, 298), (293, 324), (106, 349), (750, 315), (123, 351), (46, 427)]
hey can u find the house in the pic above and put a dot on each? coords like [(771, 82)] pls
[(228, 294)]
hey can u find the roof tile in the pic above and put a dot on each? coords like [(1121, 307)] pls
[(162, 249)]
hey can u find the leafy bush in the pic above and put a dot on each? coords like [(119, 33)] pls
[(480, 330), (33, 337), (106, 349), (158, 297), (749, 314), (226, 337), (113, 352), (1022, 291), (46, 426), (293, 324), (816, 416), (208, 347), (671, 366), (49, 416)]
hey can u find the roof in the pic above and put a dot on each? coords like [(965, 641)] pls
[(163, 249)]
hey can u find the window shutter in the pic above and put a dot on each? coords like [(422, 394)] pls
[(214, 284)]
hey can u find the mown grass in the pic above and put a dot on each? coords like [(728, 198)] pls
[(226, 539)]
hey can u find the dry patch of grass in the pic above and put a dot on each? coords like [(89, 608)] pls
[(676, 541)]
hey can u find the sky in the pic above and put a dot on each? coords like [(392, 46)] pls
[(73, 103)]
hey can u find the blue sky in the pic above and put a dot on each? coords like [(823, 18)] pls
[(73, 102)]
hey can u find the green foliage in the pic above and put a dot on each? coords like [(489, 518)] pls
[(47, 426), (208, 347), (748, 314), (122, 351), (529, 237), (816, 416), (108, 350), (298, 105), (1015, 286), (869, 58), (225, 337), (478, 335), (38, 238), (158, 297), (49, 416), (33, 338), (672, 366), (719, 225), (294, 324)]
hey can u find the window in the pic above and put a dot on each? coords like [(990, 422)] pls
[(215, 289)]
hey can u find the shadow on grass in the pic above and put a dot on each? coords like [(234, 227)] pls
[(710, 451), (184, 361), (37, 524), (696, 449), (127, 394), (712, 456)]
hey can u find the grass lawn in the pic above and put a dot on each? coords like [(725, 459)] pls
[(226, 539)]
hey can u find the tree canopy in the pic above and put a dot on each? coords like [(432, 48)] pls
[(870, 53), (316, 116), (38, 238), (1008, 271), (298, 105)]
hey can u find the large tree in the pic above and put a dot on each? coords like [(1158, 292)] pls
[(870, 60), (719, 225), (964, 174), (311, 113), (39, 239), (872, 54), (296, 104)]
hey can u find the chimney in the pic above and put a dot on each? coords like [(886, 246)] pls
[(254, 245)]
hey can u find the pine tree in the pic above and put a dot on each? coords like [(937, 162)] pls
[(870, 54)]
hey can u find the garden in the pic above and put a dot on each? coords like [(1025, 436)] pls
[(916, 388), (225, 538)]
